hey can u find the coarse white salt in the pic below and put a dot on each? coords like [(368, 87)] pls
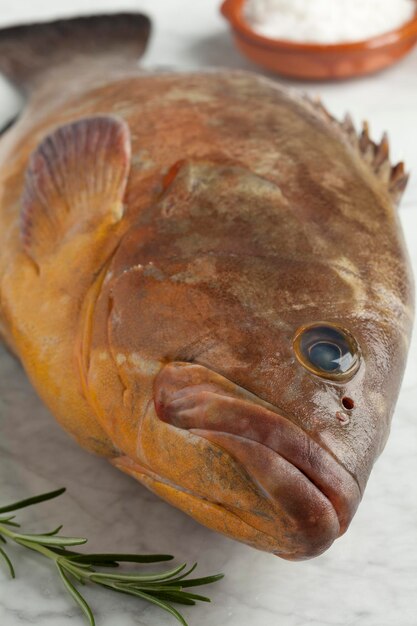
[(327, 21)]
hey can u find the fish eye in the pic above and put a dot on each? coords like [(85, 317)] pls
[(327, 350)]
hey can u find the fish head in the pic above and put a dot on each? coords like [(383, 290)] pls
[(247, 369)]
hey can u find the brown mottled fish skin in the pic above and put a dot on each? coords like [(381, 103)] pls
[(163, 237)]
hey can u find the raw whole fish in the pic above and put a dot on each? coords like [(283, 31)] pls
[(204, 277)]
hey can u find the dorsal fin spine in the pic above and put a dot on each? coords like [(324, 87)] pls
[(376, 155)]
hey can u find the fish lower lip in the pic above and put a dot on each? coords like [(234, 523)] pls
[(230, 421)]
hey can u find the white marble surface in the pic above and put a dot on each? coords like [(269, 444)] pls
[(368, 578)]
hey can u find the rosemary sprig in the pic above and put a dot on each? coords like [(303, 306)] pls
[(74, 568)]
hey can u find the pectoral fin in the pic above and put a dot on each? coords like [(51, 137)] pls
[(75, 183)]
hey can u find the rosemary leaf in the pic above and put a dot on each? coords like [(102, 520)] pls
[(47, 540), (183, 575), (160, 592), (133, 578), (77, 596), (34, 500), (196, 582), (6, 520), (190, 596), (55, 531), (99, 559), (161, 603), (178, 599), (14, 524), (128, 587), (9, 563)]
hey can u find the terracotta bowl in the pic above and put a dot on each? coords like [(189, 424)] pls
[(318, 61)]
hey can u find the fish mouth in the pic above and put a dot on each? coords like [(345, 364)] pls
[(284, 462)]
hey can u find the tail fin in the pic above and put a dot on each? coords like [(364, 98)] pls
[(26, 52)]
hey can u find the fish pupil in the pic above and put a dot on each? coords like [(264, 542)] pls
[(325, 355)]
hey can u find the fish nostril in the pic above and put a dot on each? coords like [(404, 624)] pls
[(348, 403), (343, 418)]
